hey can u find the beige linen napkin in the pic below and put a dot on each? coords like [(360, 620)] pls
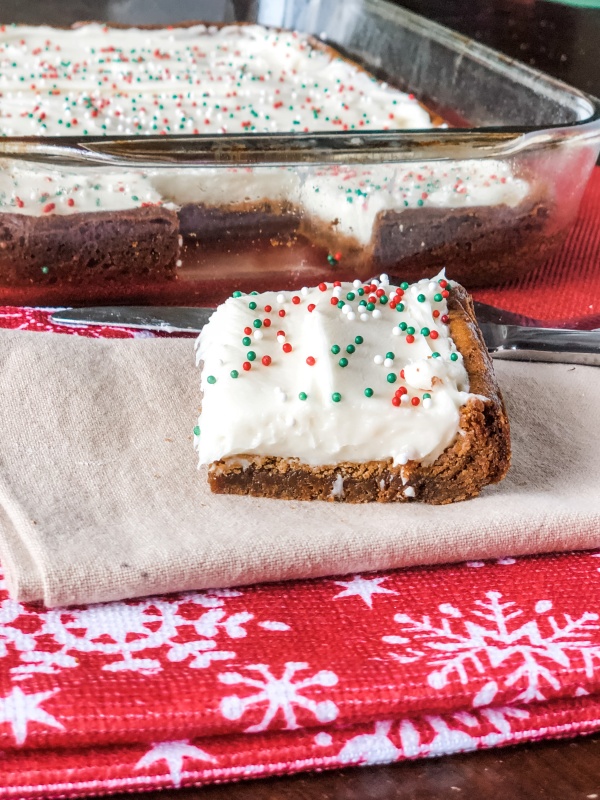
[(101, 498)]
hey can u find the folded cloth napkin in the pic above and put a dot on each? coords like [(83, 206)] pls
[(100, 497)]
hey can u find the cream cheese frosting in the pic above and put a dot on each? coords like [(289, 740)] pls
[(101, 81), (340, 372)]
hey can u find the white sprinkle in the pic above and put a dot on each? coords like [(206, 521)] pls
[(281, 298), (409, 492), (258, 335), (396, 331), (281, 338), (280, 394), (337, 291), (389, 362), (304, 291), (377, 314), (357, 284), (346, 309), (384, 278), (178, 263), (427, 402), (351, 316), (364, 317), (375, 282), (433, 285), (403, 458), (378, 359)]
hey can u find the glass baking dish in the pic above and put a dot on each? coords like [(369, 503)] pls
[(489, 195)]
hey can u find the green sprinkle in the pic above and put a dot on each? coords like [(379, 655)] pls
[(454, 357), (336, 397), (45, 270), (438, 297), (257, 323), (341, 304), (426, 396), (211, 379), (350, 296), (358, 339), (343, 362), (390, 355), (383, 299), (435, 355), (335, 349), (403, 326), (410, 330), (246, 341), (400, 307), (252, 305), (302, 395), (368, 392), (425, 331), (251, 355), (391, 378), (196, 431), (350, 348), (332, 259), (404, 285), (360, 292), (234, 373), (421, 298), (370, 306), (362, 303)]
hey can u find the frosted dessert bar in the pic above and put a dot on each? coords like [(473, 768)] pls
[(350, 391)]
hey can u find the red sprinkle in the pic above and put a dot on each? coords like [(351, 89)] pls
[(19, 202), (402, 391), (323, 287), (281, 313), (287, 347), (280, 333), (334, 301), (415, 401), (295, 299), (247, 331), (443, 284), (379, 293), (268, 309), (311, 307), (410, 339), (392, 305), (337, 283), (434, 334), (337, 256), (435, 314), (311, 361), (247, 366), (395, 401), (445, 293), (267, 322), (445, 319), (266, 360), (402, 374), (70, 202), (48, 208)]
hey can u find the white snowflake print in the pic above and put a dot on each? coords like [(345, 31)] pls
[(173, 753), (124, 633), (371, 748), (278, 694), (488, 635), (364, 588), (19, 709)]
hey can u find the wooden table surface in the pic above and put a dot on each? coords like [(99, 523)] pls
[(563, 41)]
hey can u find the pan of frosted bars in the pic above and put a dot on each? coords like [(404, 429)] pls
[(172, 164)]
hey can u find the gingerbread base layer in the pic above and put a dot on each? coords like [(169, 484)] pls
[(479, 455)]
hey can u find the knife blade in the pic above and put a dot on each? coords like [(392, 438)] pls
[(516, 342)]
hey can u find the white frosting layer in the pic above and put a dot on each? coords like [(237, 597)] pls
[(319, 412), (356, 196), (352, 196), (96, 80)]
